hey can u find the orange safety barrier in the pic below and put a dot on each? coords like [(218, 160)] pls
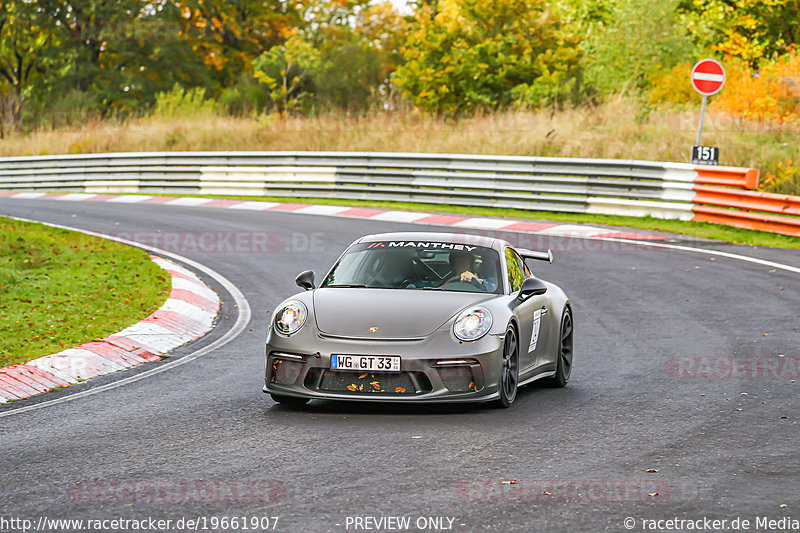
[(751, 200), (748, 209), (744, 178)]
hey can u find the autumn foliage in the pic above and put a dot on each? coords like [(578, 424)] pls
[(770, 93), (97, 59), (466, 55)]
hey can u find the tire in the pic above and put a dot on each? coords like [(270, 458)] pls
[(288, 400), (564, 364), (509, 370)]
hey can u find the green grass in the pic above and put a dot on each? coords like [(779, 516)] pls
[(703, 230), (60, 288)]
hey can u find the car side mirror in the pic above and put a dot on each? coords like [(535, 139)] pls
[(532, 287), (305, 279)]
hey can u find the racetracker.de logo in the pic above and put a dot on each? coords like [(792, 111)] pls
[(177, 492), (227, 242), (729, 367), (564, 491)]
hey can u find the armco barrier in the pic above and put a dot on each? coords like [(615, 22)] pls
[(602, 186)]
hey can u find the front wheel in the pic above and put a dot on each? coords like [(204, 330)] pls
[(288, 400), (509, 371), (564, 364)]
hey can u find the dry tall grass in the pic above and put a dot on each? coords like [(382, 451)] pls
[(616, 129)]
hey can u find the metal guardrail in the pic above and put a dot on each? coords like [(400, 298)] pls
[(603, 186), (550, 184)]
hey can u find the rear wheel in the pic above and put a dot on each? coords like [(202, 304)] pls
[(564, 364), (509, 370), (288, 400)]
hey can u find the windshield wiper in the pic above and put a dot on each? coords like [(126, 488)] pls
[(348, 285), (432, 289)]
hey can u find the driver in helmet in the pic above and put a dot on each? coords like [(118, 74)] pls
[(463, 265)]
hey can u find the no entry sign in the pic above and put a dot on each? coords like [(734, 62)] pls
[(708, 77)]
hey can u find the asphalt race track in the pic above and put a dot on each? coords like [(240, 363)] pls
[(677, 370)]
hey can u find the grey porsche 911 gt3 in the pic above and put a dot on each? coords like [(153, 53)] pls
[(421, 317)]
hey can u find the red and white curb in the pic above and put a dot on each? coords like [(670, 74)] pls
[(188, 314), (412, 217)]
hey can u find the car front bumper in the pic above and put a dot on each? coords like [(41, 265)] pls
[(434, 369)]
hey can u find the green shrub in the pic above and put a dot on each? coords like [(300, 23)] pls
[(245, 98), (347, 77), (180, 102)]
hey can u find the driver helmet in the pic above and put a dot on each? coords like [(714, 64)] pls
[(459, 256)]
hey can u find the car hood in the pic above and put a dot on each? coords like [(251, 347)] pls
[(396, 313)]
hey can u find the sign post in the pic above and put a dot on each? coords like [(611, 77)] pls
[(702, 117), (707, 78)]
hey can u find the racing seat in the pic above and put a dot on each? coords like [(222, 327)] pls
[(395, 269), (487, 271)]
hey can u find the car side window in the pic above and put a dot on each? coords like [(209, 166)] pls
[(524, 266), (515, 274)]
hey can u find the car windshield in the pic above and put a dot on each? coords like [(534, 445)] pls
[(446, 266)]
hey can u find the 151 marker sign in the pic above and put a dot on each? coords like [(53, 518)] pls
[(705, 155)]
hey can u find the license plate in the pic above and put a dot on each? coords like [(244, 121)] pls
[(368, 363)]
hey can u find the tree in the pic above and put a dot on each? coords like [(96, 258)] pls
[(227, 35), (626, 42), (111, 54), (324, 22), (465, 55), (286, 71), (25, 36), (384, 32), (745, 29), (347, 76), (358, 53)]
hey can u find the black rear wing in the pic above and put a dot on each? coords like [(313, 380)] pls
[(539, 256)]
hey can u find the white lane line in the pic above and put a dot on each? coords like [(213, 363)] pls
[(718, 253), (242, 319)]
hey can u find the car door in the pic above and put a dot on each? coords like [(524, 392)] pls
[(528, 312), (546, 328)]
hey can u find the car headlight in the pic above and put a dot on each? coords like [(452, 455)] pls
[(291, 317), (472, 324)]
